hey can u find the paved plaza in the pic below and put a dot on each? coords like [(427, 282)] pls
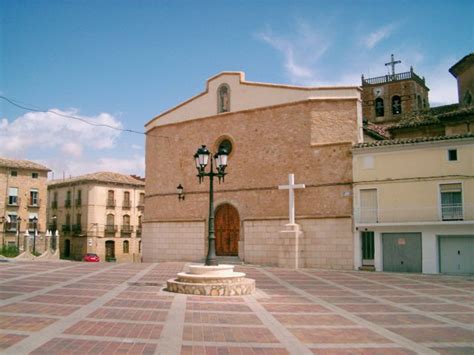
[(88, 308)]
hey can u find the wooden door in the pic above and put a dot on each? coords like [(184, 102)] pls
[(227, 229)]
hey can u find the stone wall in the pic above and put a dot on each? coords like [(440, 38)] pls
[(171, 241)]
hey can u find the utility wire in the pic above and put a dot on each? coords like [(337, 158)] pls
[(15, 103)]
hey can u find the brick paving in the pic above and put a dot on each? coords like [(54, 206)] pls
[(80, 308)]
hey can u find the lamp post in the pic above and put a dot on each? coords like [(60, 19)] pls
[(3, 223), (18, 225), (35, 221), (201, 159), (53, 232)]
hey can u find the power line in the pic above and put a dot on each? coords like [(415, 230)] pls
[(23, 107)]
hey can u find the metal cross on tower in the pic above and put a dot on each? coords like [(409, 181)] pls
[(392, 64)]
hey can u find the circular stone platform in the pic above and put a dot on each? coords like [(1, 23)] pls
[(219, 280)]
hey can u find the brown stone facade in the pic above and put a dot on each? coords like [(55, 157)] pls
[(310, 138), (413, 94)]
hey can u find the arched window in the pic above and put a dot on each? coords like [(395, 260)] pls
[(396, 105), (223, 98), (125, 247), (126, 220), (379, 108), (424, 103), (419, 102), (110, 226)]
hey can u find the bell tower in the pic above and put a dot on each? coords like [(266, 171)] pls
[(386, 98)]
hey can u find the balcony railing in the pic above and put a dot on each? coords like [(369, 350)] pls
[(78, 202), (67, 203), (110, 229), (389, 78), (52, 227), (126, 205), (13, 202), (34, 203), (54, 205), (11, 226), (76, 228), (110, 203), (452, 212), (126, 230), (141, 205), (414, 214), (66, 228)]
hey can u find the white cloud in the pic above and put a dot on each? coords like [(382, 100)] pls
[(66, 145), (46, 130), (373, 38), (300, 51), (136, 147)]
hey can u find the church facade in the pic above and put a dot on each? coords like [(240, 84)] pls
[(270, 132)]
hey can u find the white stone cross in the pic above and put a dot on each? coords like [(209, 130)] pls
[(291, 186)]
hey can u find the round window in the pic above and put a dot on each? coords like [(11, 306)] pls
[(227, 145)]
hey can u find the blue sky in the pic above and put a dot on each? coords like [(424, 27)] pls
[(123, 62)]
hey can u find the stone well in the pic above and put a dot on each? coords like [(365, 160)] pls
[(219, 280)]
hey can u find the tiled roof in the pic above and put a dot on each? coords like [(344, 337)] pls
[(390, 142), (102, 176), (22, 164), (460, 66), (378, 129), (432, 116)]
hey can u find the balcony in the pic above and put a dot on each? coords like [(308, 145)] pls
[(390, 78), (126, 231), (13, 201), (54, 205), (52, 227), (76, 228), (78, 202), (415, 214), (11, 226), (34, 203), (141, 206), (110, 203), (66, 228), (67, 203), (126, 205), (452, 212), (110, 229)]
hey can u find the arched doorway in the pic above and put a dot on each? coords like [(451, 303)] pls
[(67, 248), (227, 229), (109, 250)]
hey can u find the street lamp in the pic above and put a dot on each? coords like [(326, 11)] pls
[(201, 159), (53, 232), (35, 221), (18, 225), (180, 190), (3, 223)]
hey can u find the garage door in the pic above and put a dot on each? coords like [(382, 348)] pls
[(456, 254), (401, 252)]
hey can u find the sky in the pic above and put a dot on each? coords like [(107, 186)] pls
[(120, 63)]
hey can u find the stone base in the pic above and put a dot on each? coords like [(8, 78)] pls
[(220, 280)]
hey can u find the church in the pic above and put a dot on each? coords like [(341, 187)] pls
[(270, 131)]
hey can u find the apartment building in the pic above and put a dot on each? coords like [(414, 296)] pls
[(98, 213), (414, 204), (23, 203)]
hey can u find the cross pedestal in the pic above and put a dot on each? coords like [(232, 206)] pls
[(290, 251)]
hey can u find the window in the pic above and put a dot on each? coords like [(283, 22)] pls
[(223, 98), (125, 247), (451, 202), (12, 222), (379, 107), (34, 175), (141, 201), (368, 206), (396, 105), (126, 200), (79, 198), (68, 219), (110, 226), (227, 145), (13, 196), (78, 219), (67, 203), (126, 220), (110, 198), (34, 201), (13, 173), (452, 154), (33, 222), (420, 105)]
